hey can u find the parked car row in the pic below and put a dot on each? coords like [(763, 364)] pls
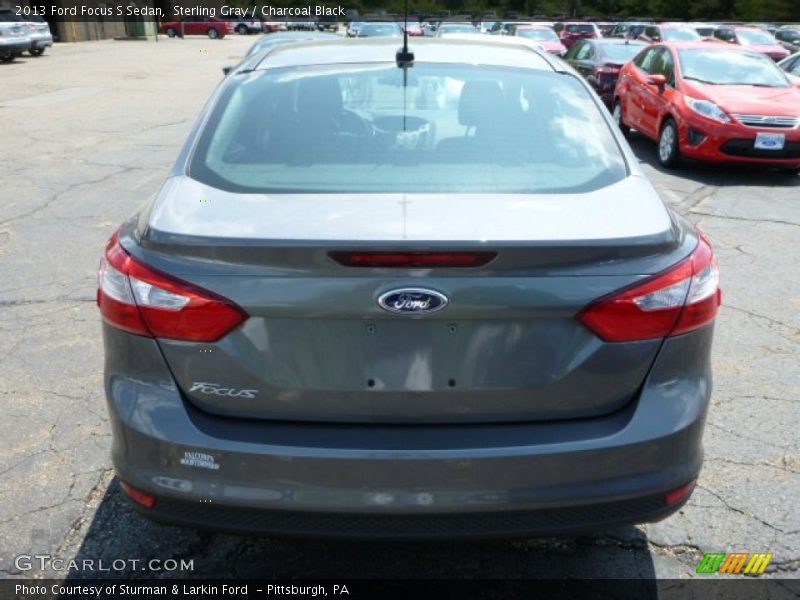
[(18, 35), (219, 28)]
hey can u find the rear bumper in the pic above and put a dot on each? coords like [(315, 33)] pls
[(16, 47), (407, 481), (43, 41), (466, 525)]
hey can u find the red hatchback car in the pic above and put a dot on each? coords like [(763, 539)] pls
[(711, 102)]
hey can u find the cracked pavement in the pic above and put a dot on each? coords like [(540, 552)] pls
[(90, 131)]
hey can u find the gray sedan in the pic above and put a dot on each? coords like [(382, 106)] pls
[(415, 297)]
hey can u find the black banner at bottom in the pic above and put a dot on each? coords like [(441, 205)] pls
[(706, 588)]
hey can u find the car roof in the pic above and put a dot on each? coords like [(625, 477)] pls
[(616, 42), (710, 46), (460, 50)]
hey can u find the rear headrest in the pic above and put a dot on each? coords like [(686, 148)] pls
[(319, 95), (479, 101)]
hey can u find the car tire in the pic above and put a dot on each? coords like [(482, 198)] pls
[(790, 171), (241, 30), (36, 52), (669, 152), (171, 32), (7, 58), (616, 112), (213, 33)]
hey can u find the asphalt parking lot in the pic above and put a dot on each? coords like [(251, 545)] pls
[(88, 132)]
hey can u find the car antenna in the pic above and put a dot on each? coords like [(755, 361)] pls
[(404, 57)]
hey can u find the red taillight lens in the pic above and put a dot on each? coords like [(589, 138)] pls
[(413, 259), (607, 70), (138, 496), (677, 496), (680, 300), (141, 300)]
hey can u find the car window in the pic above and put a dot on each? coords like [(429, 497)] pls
[(680, 34), (724, 34), (646, 61), (452, 128), (663, 64), (794, 68), (755, 37), (541, 35), (586, 52), (653, 33), (621, 53), (573, 50), (731, 68)]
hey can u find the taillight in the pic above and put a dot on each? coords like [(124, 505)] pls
[(426, 260), (682, 299), (607, 69), (141, 300), (138, 496), (680, 494)]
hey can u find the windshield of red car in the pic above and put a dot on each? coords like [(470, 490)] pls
[(730, 68)]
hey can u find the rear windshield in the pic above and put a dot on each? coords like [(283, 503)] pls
[(621, 52), (679, 34), (457, 29), (452, 128), (755, 38), (580, 28), (390, 29), (541, 35)]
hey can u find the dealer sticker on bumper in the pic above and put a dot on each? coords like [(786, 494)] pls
[(770, 141)]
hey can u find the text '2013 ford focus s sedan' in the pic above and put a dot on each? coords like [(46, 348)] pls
[(385, 296)]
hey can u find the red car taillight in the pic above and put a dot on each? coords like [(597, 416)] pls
[(141, 300), (606, 70), (682, 299)]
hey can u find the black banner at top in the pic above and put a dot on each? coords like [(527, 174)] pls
[(418, 10)]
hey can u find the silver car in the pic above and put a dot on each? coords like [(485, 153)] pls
[(385, 296), (14, 38)]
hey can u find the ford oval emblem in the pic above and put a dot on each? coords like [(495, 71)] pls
[(412, 301)]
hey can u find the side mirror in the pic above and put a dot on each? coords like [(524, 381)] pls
[(226, 70), (659, 80)]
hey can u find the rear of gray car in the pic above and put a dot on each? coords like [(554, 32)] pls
[(432, 301)]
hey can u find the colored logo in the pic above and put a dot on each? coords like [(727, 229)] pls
[(736, 563)]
